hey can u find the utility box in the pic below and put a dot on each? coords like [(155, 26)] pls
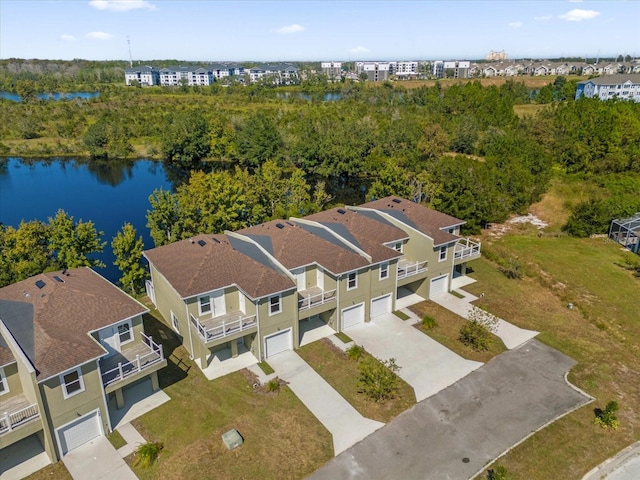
[(232, 439)]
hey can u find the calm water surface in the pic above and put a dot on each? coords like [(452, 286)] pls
[(106, 192), (52, 96)]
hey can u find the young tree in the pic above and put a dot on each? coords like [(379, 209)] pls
[(23, 251), (186, 138), (128, 252), (379, 379), (71, 242), (163, 218)]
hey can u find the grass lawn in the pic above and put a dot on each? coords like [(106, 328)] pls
[(343, 337), (342, 374), (116, 439), (448, 330), (282, 438), (55, 471), (601, 334)]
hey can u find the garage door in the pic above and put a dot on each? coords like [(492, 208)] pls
[(352, 316), (439, 285), (381, 305), (278, 342), (79, 432)]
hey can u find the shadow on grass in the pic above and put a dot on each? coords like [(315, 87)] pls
[(176, 369)]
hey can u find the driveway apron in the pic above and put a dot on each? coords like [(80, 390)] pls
[(343, 421), (97, 460), (425, 364)]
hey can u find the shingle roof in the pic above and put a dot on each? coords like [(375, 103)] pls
[(209, 262), (50, 316), (428, 221), (614, 79), (364, 232), (294, 247)]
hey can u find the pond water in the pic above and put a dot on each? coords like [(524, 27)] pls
[(325, 97), (53, 96)]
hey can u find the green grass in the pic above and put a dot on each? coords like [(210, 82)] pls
[(343, 374), (401, 315), (344, 338), (456, 294), (282, 438), (116, 439), (601, 334), (447, 332), (266, 368)]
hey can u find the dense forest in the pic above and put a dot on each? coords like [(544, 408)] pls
[(263, 152)]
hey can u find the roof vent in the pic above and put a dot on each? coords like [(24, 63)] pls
[(341, 211), (289, 223), (202, 243), (40, 284), (215, 240), (280, 226), (396, 200), (58, 279)]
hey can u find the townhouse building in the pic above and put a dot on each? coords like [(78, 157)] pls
[(249, 291), (145, 76), (624, 87), (70, 343)]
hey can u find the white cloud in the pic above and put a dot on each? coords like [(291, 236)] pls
[(293, 28), (575, 1), (67, 38), (359, 49), (543, 18), (514, 24), (577, 15), (99, 35), (121, 5)]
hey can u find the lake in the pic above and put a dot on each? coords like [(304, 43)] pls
[(52, 96), (109, 193)]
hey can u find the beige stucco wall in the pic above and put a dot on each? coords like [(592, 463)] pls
[(269, 324), (167, 301), (13, 382)]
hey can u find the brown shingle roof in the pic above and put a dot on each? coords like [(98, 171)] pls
[(192, 268), (55, 332), (426, 220), (294, 247), (370, 235)]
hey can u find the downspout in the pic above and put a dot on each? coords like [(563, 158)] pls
[(339, 312), (104, 397), (259, 336), (186, 309)]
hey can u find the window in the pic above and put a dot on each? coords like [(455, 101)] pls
[(443, 254), (384, 271), (352, 281), (4, 385), (274, 305), (397, 247), (72, 383), (125, 334), (175, 323), (204, 305)]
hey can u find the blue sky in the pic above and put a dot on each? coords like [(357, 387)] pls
[(208, 30)]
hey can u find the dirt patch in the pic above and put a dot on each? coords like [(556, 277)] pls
[(254, 382), (497, 230)]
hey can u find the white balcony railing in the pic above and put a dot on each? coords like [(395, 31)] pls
[(466, 248), (225, 328), (11, 420), (313, 300), (153, 354), (408, 269)]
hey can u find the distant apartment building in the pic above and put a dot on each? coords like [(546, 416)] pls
[(185, 75), (279, 74), (457, 69), (496, 56), (331, 69), (625, 87), (375, 71), (404, 68), (144, 75)]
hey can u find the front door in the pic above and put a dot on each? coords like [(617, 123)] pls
[(219, 304), (110, 339)]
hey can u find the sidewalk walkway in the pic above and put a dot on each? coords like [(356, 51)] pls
[(511, 336), (345, 423), (132, 437), (624, 466)]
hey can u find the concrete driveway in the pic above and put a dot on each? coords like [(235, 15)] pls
[(454, 434), (344, 422), (97, 460), (426, 365)]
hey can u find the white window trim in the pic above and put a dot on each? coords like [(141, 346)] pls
[(175, 323), (65, 394), (279, 297), (349, 281), (200, 312), (398, 244), (128, 322), (4, 382), (386, 270), (446, 253)]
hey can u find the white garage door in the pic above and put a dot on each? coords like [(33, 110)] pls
[(80, 431), (439, 285), (278, 342), (381, 305), (352, 316)]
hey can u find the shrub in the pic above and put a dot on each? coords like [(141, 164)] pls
[(273, 385), (429, 322), (475, 335), (379, 379), (511, 269), (607, 417), (499, 472), (355, 352), (147, 453)]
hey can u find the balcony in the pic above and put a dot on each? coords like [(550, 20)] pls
[(17, 411), (214, 328), (466, 249), (408, 268), (314, 296), (138, 358)]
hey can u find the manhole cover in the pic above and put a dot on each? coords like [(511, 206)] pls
[(465, 460)]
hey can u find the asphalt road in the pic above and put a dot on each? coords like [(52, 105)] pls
[(453, 434)]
